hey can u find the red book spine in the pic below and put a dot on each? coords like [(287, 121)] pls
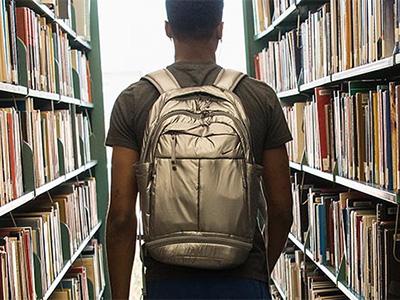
[(29, 262), (322, 98), (22, 14)]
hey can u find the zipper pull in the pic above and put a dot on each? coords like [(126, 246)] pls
[(173, 154)]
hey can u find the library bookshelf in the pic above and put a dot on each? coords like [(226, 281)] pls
[(69, 172), (261, 33)]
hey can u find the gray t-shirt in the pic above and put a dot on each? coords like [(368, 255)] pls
[(268, 130)]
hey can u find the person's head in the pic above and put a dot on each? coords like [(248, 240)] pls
[(194, 20)]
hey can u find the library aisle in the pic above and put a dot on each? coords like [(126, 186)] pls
[(334, 65)]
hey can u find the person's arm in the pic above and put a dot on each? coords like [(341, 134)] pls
[(279, 201), (121, 221)]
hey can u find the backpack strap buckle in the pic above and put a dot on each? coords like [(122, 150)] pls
[(228, 79), (163, 81)]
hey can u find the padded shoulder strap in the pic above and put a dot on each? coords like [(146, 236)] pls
[(163, 80), (228, 79)]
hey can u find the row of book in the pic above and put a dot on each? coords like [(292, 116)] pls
[(11, 183), (351, 128), (37, 240), (265, 11), (277, 65), (85, 280), (36, 53), (76, 14), (300, 279), (353, 234), (59, 140), (338, 36)]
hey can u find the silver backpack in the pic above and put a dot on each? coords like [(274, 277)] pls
[(199, 185)]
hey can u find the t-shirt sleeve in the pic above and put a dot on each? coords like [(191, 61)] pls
[(122, 131), (278, 132)]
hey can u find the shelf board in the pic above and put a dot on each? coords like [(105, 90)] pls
[(295, 166), (289, 93), (20, 90), (349, 294), (76, 102), (13, 89), (296, 242), (326, 270), (43, 95), (286, 14), (271, 28), (364, 69), (316, 83), (5, 209), (397, 59), (264, 33), (369, 189), (80, 170), (66, 28), (69, 263), (363, 187), (38, 7), (70, 100), (280, 291), (49, 186), (318, 173)]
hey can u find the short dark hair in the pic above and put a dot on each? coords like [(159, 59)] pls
[(194, 19)]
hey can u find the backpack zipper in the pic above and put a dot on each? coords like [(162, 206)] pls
[(173, 155), (243, 134)]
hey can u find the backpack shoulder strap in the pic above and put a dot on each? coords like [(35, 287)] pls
[(228, 79), (163, 80)]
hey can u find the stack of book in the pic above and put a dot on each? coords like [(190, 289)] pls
[(11, 182), (37, 53), (298, 278), (338, 36), (367, 143), (354, 235), (40, 237), (287, 273), (78, 209), (85, 280), (280, 6), (362, 31), (278, 65), (295, 118), (263, 10), (48, 131), (353, 127), (8, 43), (315, 41), (266, 11)]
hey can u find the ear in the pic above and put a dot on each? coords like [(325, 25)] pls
[(168, 30), (220, 30)]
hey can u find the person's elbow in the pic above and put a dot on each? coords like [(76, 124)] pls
[(282, 214), (121, 223)]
